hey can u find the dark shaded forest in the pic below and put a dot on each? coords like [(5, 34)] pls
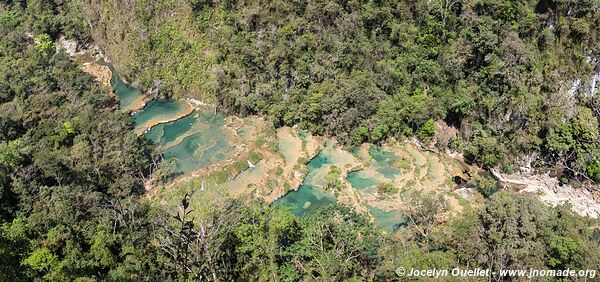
[(72, 204)]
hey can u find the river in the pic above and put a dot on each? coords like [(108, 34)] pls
[(196, 138)]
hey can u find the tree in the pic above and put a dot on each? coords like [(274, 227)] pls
[(14, 247), (194, 243), (10, 159), (561, 140), (585, 126), (336, 244), (426, 131), (423, 212), (485, 184), (44, 43)]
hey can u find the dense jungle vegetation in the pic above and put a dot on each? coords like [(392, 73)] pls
[(72, 171), (498, 71)]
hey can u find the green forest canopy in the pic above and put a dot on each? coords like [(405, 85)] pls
[(363, 71), (71, 169)]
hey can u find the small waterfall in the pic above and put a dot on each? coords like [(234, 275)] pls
[(594, 60), (574, 88), (577, 89), (595, 78)]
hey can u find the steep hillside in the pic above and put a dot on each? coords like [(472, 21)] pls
[(500, 71)]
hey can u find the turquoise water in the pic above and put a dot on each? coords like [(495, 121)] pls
[(158, 110), (388, 220), (318, 161), (380, 155), (202, 141), (306, 199), (381, 170), (383, 162), (127, 93), (197, 151), (167, 132), (359, 182), (388, 171), (172, 130), (155, 134), (309, 198)]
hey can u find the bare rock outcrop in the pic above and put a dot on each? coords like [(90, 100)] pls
[(584, 201), (99, 72)]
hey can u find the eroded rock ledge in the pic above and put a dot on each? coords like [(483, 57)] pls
[(585, 201)]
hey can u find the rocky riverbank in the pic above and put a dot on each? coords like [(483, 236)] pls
[(584, 200)]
